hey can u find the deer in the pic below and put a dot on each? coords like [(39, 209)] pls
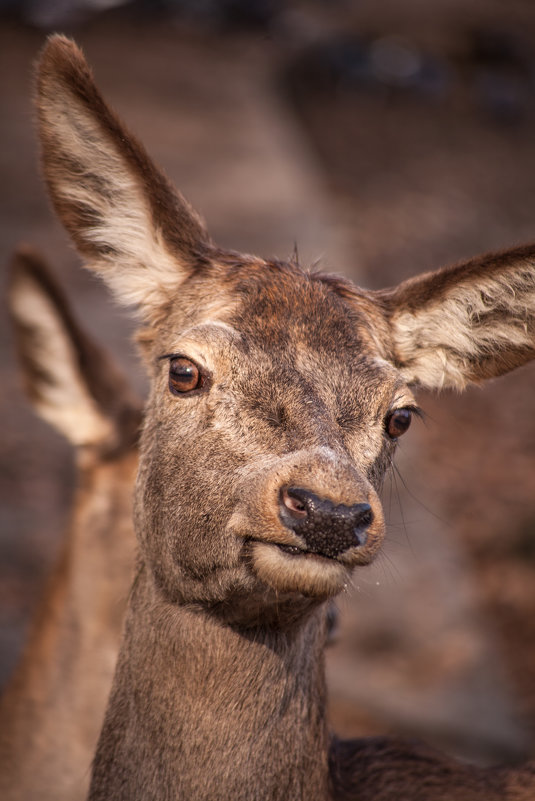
[(52, 709), (278, 396)]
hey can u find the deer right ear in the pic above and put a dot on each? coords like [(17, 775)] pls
[(124, 216), (71, 382)]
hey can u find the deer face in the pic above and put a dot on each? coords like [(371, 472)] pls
[(276, 396), (266, 439)]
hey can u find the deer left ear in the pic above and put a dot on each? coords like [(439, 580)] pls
[(466, 323), (133, 227)]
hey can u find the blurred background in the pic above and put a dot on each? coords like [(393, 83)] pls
[(382, 138)]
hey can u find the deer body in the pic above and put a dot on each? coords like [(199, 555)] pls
[(52, 709), (277, 400)]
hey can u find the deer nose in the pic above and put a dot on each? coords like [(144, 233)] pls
[(328, 529)]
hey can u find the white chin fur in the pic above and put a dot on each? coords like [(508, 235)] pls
[(314, 577)]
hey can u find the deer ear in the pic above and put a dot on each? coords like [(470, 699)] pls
[(466, 323), (71, 382), (124, 216)]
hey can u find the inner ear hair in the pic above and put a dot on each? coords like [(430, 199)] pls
[(122, 212), (466, 323), (72, 382)]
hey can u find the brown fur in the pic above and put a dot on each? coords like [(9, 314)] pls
[(465, 323), (52, 709), (219, 689), (377, 768)]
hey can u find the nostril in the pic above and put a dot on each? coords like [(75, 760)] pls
[(362, 519), (293, 503), (363, 515)]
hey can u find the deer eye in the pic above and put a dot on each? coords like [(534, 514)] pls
[(398, 422), (184, 376)]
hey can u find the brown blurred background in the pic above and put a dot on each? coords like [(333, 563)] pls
[(383, 138)]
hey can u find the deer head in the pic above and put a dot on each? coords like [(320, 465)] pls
[(278, 395)]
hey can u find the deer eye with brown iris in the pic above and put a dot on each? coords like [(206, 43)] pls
[(184, 376), (398, 422)]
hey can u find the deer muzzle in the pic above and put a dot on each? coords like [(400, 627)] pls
[(327, 529), (308, 519)]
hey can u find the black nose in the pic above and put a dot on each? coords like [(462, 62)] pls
[(327, 529)]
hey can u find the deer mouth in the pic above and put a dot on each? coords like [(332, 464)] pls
[(292, 569), (295, 551), (348, 558), (291, 549)]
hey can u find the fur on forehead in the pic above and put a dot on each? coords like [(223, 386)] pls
[(279, 299), (271, 300)]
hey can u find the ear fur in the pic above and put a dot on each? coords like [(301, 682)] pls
[(72, 383), (465, 323), (123, 214)]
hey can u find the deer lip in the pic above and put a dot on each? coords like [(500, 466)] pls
[(295, 551), (291, 549)]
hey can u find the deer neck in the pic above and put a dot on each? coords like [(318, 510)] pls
[(201, 709), (52, 710)]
